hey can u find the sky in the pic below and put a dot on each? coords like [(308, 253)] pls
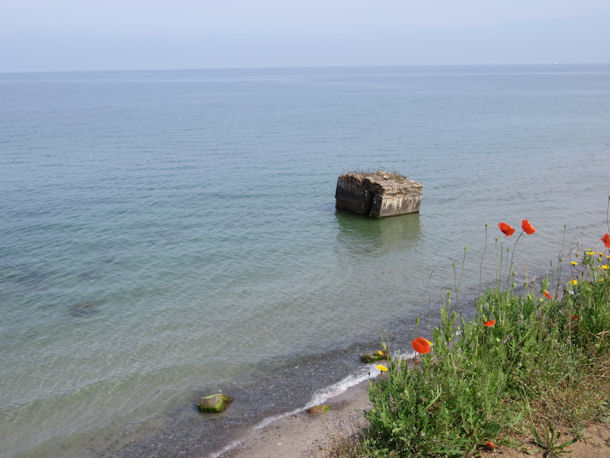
[(68, 35)]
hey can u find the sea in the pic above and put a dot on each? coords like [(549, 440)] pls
[(170, 234)]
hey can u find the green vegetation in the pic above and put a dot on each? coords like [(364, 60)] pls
[(523, 361), (550, 442)]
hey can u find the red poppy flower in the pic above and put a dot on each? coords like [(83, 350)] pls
[(420, 345), (527, 227), (547, 294), (574, 317), (490, 323), (606, 240), (506, 228), (490, 444)]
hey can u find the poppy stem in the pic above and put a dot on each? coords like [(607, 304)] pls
[(607, 214), (560, 263), (483, 258), (501, 261), (512, 256)]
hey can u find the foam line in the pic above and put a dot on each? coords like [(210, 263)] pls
[(319, 397)]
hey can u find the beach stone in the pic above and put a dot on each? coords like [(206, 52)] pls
[(214, 403), (318, 410), (378, 194), (374, 356)]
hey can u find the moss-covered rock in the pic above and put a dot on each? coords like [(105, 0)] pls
[(374, 356), (214, 403), (318, 410)]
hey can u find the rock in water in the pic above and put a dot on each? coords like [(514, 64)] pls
[(83, 309), (378, 194), (374, 356), (214, 403)]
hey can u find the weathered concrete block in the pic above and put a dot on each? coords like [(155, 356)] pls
[(378, 194)]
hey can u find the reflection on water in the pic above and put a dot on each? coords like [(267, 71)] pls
[(362, 235)]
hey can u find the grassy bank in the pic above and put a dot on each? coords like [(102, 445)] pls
[(525, 367)]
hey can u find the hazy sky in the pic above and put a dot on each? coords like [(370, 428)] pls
[(42, 35)]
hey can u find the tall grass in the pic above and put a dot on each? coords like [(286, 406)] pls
[(524, 359)]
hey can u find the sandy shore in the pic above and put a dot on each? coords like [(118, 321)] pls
[(304, 434)]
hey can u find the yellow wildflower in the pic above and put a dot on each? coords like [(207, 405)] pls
[(379, 352), (605, 267), (382, 368), (590, 253), (574, 263), (573, 282)]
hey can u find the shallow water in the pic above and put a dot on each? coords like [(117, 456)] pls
[(167, 234)]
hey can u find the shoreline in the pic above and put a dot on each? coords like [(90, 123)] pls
[(318, 434), (304, 432), (299, 432)]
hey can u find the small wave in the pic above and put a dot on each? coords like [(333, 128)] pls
[(319, 397)]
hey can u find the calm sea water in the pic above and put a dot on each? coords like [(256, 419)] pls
[(168, 234)]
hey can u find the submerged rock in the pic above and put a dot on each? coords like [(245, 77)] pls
[(214, 403), (378, 194), (374, 356), (318, 410), (83, 309)]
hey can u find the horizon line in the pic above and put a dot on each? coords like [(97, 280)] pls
[(274, 67)]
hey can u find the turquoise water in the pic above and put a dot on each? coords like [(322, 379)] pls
[(168, 234)]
